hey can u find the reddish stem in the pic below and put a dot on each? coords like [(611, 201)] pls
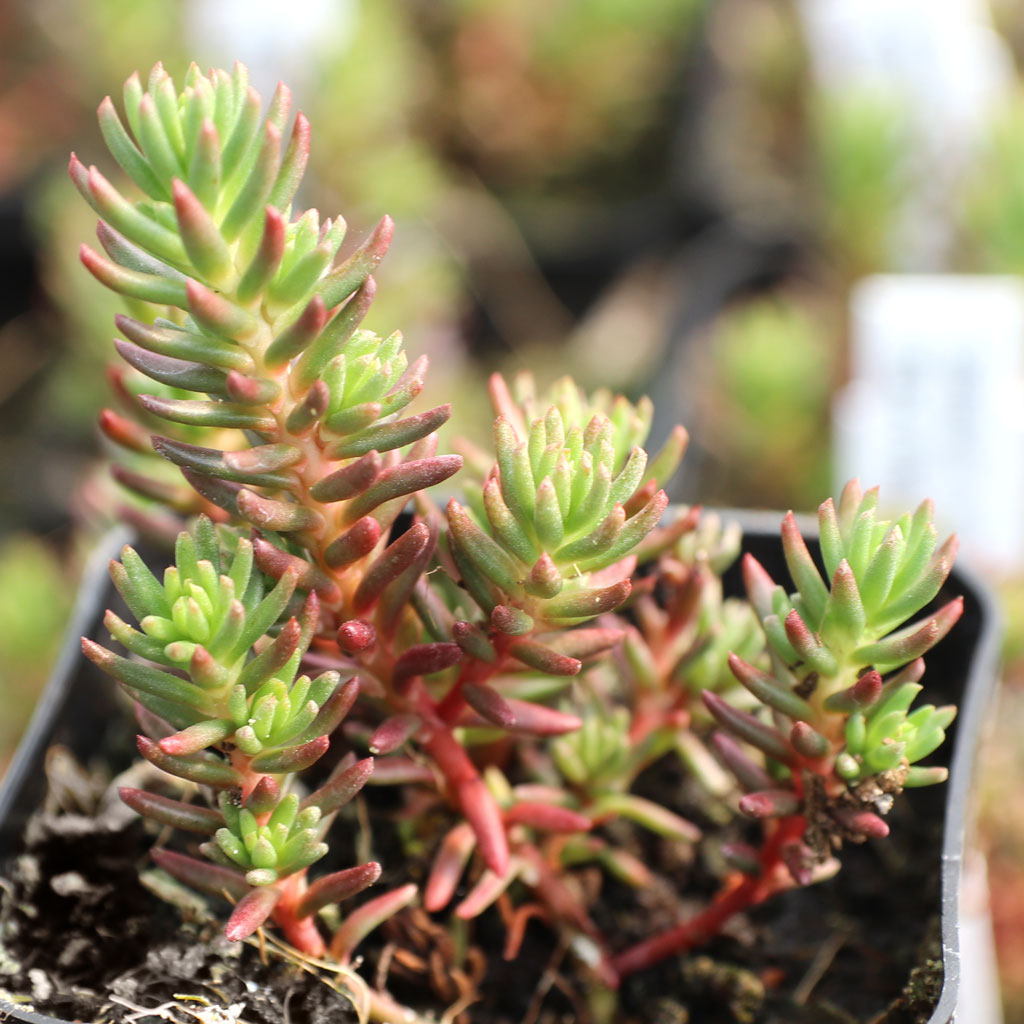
[(475, 799), (739, 893), (473, 671), (301, 932)]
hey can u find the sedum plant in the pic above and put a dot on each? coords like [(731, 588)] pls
[(514, 658)]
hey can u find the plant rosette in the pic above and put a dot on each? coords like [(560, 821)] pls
[(374, 733)]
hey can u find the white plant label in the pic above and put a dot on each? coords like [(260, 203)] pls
[(935, 405)]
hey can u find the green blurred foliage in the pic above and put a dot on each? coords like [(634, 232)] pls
[(766, 415), (993, 198), (34, 606), (862, 153), (518, 100)]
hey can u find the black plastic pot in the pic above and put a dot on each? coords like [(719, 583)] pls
[(75, 709)]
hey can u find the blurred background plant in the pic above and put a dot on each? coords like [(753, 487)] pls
[(666, 197)]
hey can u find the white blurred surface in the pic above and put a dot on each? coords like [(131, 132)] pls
[(940, 61), (277, 41), (935, 406)]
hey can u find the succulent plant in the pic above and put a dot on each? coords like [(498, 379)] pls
[(838, 742), (514, 662)]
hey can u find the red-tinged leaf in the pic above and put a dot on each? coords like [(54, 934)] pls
[(360, 922), (423, 660), (79, 174), (199, 413), (204, 771), (251, 912), (625, 866), (537, 720), (338, 886), (342, 325), (203, 241), (802, 568), (356, 635), (584, 643), (759, 586), (400, 480), (265, 796), (211, 462), (585, 604), (204, 668), (264, 458), (357, 542), (474, 641), (910, 643), (867, 689), (267, 258), (290, 759), (222, 493), (770, 803), (808, 645), (248, 390), (279, 516), (178, 499), (488, 888), (452, 857), (393, 732), (742, 857), (748, 728), (218, 314), (293, 163), (544, 659), (197, 737), (544, 579), (258, 184), (152, 725), (401, 771), (197, 874), (477, 802), (750, 775), (614, 573), (348, 481), (187, 817), (340, 789), (489, 704), (344, 279), (547, 817), (275, 563), (387, 436), (862, 822), (644, 812), (484, 815), (272, 658), (505, 405), (163, 291), (770, 691), (144, 678), (799, 859), (132, 222), (808, 742), (334, 710), (510, 620), (124, 432), (389, 565)]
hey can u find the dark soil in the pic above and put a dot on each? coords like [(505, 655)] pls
[(81, 938)]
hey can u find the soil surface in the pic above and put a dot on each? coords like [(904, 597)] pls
[(82, 938)]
